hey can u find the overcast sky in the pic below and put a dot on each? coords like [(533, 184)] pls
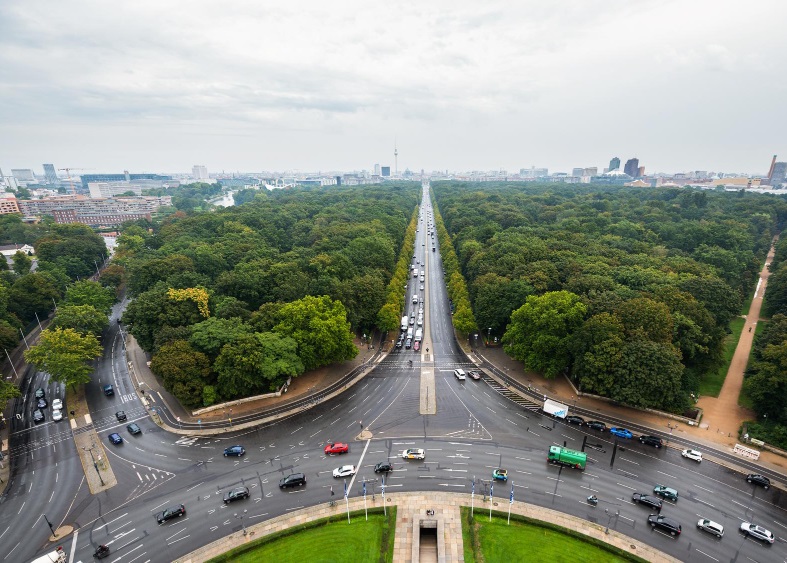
[(248, 85)]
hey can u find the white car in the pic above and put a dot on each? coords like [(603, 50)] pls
[(344, 471), (460, 374), (711, 527), (756, 531), (57, 404), (692, 454), (57, 415), (414, 453)]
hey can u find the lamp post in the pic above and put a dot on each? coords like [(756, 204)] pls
[(50, 526), (95, 465), (489, 336), (242, 525)]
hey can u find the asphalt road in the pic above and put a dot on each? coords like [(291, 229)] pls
[(474, 431)]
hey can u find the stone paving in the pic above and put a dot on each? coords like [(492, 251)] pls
[(412, 513)]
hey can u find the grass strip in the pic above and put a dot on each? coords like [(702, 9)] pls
[(711, 383)]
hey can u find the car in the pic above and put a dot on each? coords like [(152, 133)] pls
[(115, 438), (667, 524), (711, 527), (237, 451), (238, 493), (420, 321), (40, 393), (398, 344), (760, 480), (38, 416), (109, 390), (336, 448), (474, 374), (692, 454), (596, 425), (120, 415), (133, 428), (421, 287), (654, 441), (408, 343), (666, 492), (42, 404), (414, 453), (460, 374), (344, 471), (383, 467), (621, 432), (293, 480), (500, 474), (170, 513), (415, 299), (57, 415), (575, 420), (57, 404), (651, 501), (757, 532), (416, 345), (412, 320)]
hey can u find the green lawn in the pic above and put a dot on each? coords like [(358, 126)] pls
[(524, 541), (711, 384), (326, 541)]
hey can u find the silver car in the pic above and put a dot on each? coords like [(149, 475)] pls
[(757, 532), (711, 527)]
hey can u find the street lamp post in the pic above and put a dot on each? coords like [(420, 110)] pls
[(489, 336), (95, 464), (50, 526), (242, 525)]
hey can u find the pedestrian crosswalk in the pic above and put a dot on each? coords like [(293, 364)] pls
[(507, 393)]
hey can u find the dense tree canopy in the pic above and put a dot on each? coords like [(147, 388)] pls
[(65, 354)]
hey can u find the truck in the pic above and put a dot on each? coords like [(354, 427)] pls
[(404, 323), (410, 332), (558, 410), (419, 335), (56, 556), (569, 458)]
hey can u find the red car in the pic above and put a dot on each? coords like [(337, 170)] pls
[(336, 448)]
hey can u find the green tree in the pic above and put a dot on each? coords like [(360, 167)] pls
[(649, 376), (647, 319), (319, 326), (85, 319), (598, 348), (22, 263), (91, 293), (9, 335), (212, 334), (8, 391), (541, 330), (184, 370), (31, 294), (65, 354)]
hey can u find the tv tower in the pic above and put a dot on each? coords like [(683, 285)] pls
[(396, 159)]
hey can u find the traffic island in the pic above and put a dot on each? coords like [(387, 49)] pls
[(98, 472)]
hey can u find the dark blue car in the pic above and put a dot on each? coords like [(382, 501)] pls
[(234, 450), (115, 438)]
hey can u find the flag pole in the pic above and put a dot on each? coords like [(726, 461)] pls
[(491, 490), (510, 502), (472, 497), (364, 501), (347, 501), (385, 513)]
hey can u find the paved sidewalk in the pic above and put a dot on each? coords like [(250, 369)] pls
[(411, 512)]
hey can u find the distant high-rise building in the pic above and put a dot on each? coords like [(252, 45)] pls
[(592, 171), (376, 169), (632, 167), (50, 174), (779, 174), (199, 172), (614, 164), (386, 171), (23, 174), (640, 171), (577, 171), (770, 171)]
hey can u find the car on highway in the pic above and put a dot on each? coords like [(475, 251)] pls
[(651, 501), (38, 416), (711, 527), (57, 404), (692, 454), (596, 425), (414, 453), (109, 390), (421, 287), (621, 432), (292, 480), (654, 441), (40, 393), (236, 451), (578, 420), (383, 467), (345, 471), (474, 374), (758, 479), (238, 493), (115, 438), (500, 474), (57, 415), (666, 492), (416, 345), (336, 448), (41, 403), (664, 523), (134, 428), (120, 415), (398, 344), (170, 513), (757, 532), (460, 374)]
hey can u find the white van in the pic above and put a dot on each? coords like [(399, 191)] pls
[(404, 323), (419, 335)]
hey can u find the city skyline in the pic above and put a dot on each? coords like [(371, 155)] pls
[(452, 85)]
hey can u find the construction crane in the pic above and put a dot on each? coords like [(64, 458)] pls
[(70, 181)]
